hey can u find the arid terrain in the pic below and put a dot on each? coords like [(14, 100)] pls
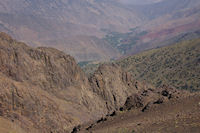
[(180, 116), (100, 66), (44, 90)]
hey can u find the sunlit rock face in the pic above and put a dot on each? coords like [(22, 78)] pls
[(44, 89)]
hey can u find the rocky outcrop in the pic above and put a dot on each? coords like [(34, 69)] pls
[(46, 91), (149, 97), (43, 87), (113, 86)]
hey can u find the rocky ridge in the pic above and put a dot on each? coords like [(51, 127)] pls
[(44, 90)]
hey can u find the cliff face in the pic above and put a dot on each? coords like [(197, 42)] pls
[(43, 89), (39, 85), (49, 66), (113, 86)]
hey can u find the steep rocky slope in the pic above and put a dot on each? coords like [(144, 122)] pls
[(44, 90), (35, 84)]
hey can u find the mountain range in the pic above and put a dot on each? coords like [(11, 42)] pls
[(78, 27), (84, 66), (46, 22)]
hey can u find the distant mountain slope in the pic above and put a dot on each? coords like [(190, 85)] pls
[(40, 22), (177, 65), (164, 30), (140, 2), (162, 7), (86, 22), (85, 48)]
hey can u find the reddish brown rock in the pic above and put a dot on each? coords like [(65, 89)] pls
[(45, 89)]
